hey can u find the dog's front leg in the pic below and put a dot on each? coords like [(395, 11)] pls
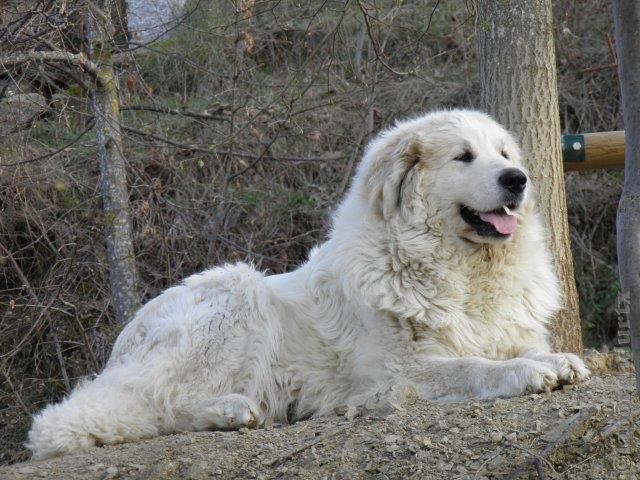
[(568, 367), (455, 379)]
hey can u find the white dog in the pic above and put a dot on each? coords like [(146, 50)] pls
[(435, 275)]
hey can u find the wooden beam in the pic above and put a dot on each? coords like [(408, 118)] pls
[(590, 151)]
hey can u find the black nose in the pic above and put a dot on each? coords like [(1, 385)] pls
[(513, 180)]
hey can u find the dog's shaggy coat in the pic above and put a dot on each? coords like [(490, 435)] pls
[(426, 281)]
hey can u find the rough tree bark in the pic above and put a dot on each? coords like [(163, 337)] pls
[(518, 87), (105, 101), (626, 16)]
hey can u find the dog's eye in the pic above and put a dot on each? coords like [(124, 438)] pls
[(466, 157), (504, 154)]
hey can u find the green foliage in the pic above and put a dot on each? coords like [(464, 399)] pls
[(45, 134), (64, 195), (73, 90), (301, 200), (278, 201), (252, 197)]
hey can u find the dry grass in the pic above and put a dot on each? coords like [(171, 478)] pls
[(290, 96)]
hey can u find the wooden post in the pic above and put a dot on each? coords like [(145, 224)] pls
[(591, 151), (626, 16)]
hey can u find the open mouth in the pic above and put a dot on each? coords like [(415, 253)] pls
[(498, 223)]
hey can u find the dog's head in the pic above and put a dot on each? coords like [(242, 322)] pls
[(459, 166)]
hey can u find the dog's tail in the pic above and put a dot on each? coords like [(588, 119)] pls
[(94, 414)]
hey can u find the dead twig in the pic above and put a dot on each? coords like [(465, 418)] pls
[(497, 453), (538, 461), (614, 59), (560, 435), (376, 47), (24, 407), (25, 282), (257, 159), (554, 439), (306, 446), (55, 152), (198, 148), (539, 468), (614, 427), (600, 67), (563, 432)]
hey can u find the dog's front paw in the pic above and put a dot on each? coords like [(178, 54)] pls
[(533, 376), (569, 367), (519, 376)]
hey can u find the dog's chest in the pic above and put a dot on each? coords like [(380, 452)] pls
[(487, 313)]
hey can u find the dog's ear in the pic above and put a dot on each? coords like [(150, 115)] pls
[(387, 163)]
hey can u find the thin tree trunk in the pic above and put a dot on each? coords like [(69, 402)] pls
[(518, 87), (105, 101), (119, 9), (626, 16)]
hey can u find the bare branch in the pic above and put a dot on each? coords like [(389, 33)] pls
[(7, 378), (257, 159), (27, 285), (561, 434), (376, 47), (196, 148), (79, 60), (55, 152), (171, 111)]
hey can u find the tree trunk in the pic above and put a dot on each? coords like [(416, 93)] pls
[(105, 101), (626, 16), (119, 9), (518, 87)]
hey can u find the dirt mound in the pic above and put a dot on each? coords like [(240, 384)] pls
[(591, 431)]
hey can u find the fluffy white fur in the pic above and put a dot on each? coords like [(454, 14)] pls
[(402, 293)]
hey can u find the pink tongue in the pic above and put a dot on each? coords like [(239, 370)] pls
[(503, 223)]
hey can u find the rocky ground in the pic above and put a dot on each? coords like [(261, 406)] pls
[(590, 431), (149, 20)]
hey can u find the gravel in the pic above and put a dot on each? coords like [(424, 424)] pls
[(497, 439)]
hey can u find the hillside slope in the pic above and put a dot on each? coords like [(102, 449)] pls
[(476, 440)]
